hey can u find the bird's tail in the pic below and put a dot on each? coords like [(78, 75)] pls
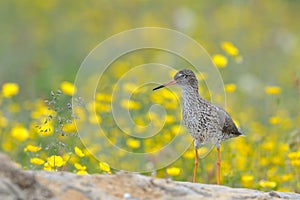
[(240, 133)]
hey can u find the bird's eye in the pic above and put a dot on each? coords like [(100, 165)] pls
[(180, 75)]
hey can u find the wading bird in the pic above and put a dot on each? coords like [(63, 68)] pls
[(207, 123)]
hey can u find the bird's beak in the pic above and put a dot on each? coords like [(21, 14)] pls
[(171, 82)]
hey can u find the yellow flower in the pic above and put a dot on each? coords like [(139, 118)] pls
[(167, 95), (3, 121), (133, 143), (241, 163), (209, 167), (287, 177), (7, 145), (10, 89), (283, 190), (37, 161), (283, 147), (80, 167), (268, 145), (47, 166), (226, 168), (219, 60), (20, 133), (79, 152), (271, 171), (130, 87), (32, 148), (80, 113), (82, 172), (41, 111), (277, 160), (104, 166), (169, 118), (103, 97), (247, 180), (69, 128), (295, 163), (230, 87), (68, 88), (189, 154), (73, 159), (95, 119), (139, 121), (67, 157), (173, 171), (129, 104), (202, 151), (263, 161), (103, 107), (229, 48), (294, 155), (175, 129), (55, 161), (272, 90), (267, 184), (274, 120)]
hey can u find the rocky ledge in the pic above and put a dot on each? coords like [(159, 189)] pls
[(16, 183)]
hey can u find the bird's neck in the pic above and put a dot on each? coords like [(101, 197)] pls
[(190, 95), (191, 98)]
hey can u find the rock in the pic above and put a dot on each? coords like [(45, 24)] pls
[(16, 183)]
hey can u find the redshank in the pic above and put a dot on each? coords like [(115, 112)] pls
[(207, 123)]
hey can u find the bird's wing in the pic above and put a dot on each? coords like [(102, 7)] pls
[(222, 115), (226, 122)]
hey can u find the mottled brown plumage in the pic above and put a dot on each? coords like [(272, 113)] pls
[(207, 123)]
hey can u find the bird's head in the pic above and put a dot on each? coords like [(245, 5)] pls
[(183, 78)]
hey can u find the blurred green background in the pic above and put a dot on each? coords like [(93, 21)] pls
[(42, 44)]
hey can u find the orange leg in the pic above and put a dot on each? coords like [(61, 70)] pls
[(196, 165), (219, 166)]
